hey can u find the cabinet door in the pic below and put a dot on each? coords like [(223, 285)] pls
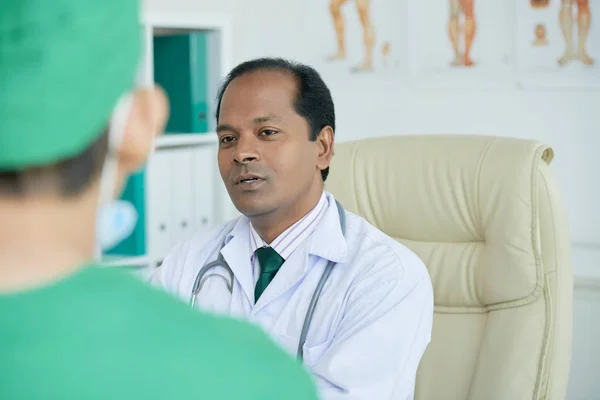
[(160, 195), (182, 206), (205, 176), (134, 193)]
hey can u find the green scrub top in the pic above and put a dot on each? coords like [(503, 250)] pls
[(103, 334)]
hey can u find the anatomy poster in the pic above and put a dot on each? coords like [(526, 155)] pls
[(461, 42), (558, 43), (356, 39)]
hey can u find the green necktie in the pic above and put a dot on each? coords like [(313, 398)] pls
[(270, 262)]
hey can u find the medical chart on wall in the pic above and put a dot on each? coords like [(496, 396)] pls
[(558, 43), (356, 39), (461, 43)]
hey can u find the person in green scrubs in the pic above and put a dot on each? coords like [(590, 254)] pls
[(70, 329)]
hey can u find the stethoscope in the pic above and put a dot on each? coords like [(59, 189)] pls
[(220, 262)]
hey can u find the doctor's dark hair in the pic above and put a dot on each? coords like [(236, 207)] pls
[(313, 99), (68, 177)]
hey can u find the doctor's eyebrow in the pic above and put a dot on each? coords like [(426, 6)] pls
[(258, 120), (225, 128), (266, 118)]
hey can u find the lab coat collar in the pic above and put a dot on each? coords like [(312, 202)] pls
[(327, 240), (235, 252)]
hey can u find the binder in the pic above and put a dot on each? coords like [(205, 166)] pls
[(160, 204), (182, 186), (134, 244), (203, 182), (181, 69)]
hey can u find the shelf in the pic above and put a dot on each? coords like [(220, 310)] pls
[(186, 20), (117, 261), (185, 139)]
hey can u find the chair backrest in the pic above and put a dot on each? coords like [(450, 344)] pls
[(486, 216)]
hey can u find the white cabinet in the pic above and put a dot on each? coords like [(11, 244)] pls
[(181, 196), (182, 190)]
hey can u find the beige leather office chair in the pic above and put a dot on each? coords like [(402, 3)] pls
[(485, 215)]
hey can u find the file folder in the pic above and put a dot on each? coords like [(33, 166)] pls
[(181, 68)]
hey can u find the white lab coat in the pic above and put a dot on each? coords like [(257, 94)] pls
[(373, 320)]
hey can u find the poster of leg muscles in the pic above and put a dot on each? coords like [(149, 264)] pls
[(356, 39), (461, 43), (558, 43)]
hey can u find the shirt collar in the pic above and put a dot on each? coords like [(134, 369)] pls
[(292, 237)]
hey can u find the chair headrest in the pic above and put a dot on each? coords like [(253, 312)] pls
[(467, 205)]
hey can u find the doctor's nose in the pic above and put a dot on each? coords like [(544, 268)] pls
[(245, 151)]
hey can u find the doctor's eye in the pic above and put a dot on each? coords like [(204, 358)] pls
[(268, 132), (226, 139)]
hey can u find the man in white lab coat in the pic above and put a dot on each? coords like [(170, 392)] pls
[(373, 319)]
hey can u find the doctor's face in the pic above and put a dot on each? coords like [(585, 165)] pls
[(267, 162)]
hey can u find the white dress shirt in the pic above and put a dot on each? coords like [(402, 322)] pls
[(290, 239)]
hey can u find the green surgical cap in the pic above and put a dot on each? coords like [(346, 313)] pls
[(63, 66)]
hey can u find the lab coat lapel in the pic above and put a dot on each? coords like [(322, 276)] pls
[(327, 241), (292, 270), (237, 254)]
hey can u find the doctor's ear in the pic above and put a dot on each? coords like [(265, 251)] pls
[(147, 119), (325, 141)]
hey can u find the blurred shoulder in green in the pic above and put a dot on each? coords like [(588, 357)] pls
[(102, 334)]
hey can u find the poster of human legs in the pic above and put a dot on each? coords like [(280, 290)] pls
[(356, 39), (461, 42), (558, 43)]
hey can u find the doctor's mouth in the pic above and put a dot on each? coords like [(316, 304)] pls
[(249, 182)]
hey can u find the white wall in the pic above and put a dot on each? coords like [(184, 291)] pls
[(570, 122), (584, 382), (571, 119)]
